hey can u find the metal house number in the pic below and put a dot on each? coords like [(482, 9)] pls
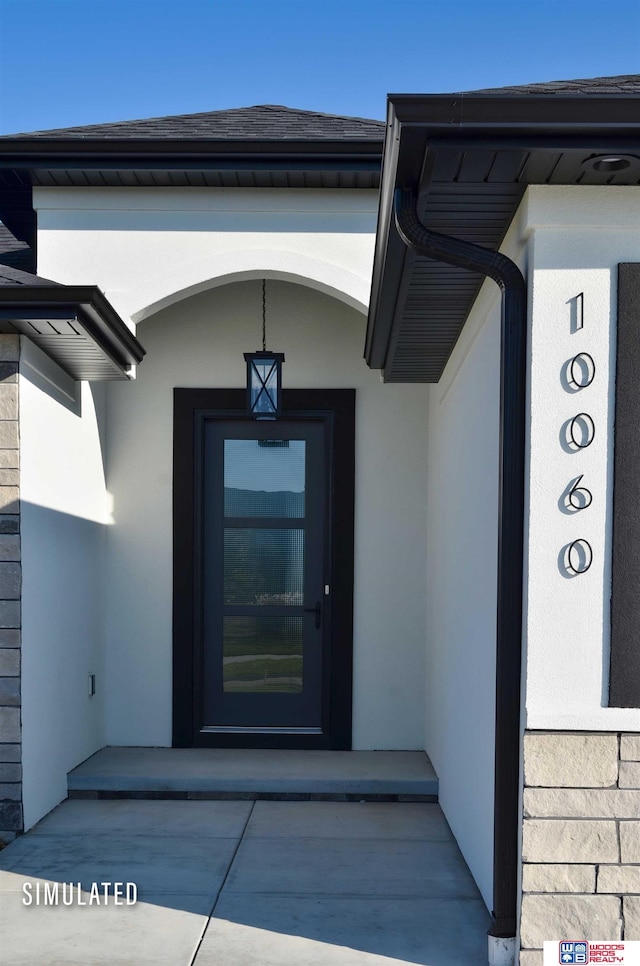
[(579, 497), (581, 372), (582, 430), (579, 556)]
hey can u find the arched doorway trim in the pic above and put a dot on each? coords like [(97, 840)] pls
[(243, 265)]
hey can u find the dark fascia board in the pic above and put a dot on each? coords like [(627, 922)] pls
[(100, 319), (390, 253), (416, 121), (524, 113), (175, 154)]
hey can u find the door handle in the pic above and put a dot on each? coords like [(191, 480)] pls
[(317, 610)]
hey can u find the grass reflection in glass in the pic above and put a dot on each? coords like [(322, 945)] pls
[(262, 654)]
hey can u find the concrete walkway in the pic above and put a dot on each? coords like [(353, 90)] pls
[(235, 883)]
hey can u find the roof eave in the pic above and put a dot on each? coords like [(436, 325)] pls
[(475, 121), (492, 112), (22, 160), (96, 321), (24, 152)]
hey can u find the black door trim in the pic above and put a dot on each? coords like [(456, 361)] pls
[(339, 404)]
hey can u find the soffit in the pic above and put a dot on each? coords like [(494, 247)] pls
[(469, 159), (74, 325)]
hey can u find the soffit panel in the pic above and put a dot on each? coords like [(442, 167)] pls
[(330, 178), (77, 328), (469, 192)]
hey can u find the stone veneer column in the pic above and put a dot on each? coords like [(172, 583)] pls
[(581, 839), (11, 823)]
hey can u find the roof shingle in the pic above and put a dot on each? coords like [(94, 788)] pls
[(620, 84), (14, 254), (274, 122), (15, 276), (265, 122)]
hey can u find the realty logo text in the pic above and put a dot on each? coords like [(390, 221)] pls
[(585, 952), (581, 951)]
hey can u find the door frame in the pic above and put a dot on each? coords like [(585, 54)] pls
[(338, 407)]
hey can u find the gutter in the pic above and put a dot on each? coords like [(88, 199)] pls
[(524, 114), (513, 346)]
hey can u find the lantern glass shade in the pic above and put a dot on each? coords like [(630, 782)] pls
[(264, 384)]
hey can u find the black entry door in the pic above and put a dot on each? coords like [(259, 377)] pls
[(263, 571), (266, 596)]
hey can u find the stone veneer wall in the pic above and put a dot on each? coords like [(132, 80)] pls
[(11, 823), (581, 839)]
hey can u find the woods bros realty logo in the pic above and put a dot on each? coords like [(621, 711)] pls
[(583, 951)]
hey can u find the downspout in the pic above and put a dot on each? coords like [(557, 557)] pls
[(513, 345)]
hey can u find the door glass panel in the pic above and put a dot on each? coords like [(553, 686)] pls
[(262, 654), (264, 477), (263, 566)]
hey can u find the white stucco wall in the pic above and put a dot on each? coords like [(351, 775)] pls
[(63, 521), (579, 235), (165, 258), (571, 240), (462, 502), (199, 343), (148, 248)]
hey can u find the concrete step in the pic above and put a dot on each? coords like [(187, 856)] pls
[(199, 773)]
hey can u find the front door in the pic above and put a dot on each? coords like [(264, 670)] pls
[(267, 647), (265, 600)]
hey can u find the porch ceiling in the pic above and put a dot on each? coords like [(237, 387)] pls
[(469, 158)]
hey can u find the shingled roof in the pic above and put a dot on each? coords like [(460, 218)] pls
[(264, 146), (15, 276), (264, 122), (14, 255), (620, 84), (275, 122)]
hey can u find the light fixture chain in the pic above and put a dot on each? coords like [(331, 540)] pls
[(264, 315)]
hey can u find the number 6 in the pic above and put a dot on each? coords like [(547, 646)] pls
[(579, 497)]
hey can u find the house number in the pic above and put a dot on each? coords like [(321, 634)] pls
[(579, 556), (581, 372), (579, 497), (582, 430)]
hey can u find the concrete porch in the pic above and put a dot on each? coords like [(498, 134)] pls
[(257, 883), (240, 773)]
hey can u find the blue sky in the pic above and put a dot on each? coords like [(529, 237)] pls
[(65, 62)]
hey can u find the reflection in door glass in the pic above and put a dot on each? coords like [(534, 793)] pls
[(262, 654), (263, 566), (264, 478)]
